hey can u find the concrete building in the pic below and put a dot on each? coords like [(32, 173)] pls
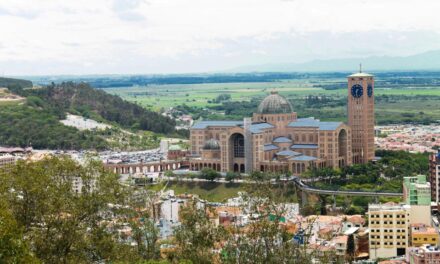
[(421, 234), (417, 194), (388, 225), (434, 178), (275, 139), (424, 255), (7, 160)]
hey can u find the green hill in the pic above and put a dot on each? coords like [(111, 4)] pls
[(12, 83), (37, 121), (82, 99)]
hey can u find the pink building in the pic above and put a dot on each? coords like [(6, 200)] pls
[(423, 255)]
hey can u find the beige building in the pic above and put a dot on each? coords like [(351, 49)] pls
[(275, 139), (389, 225), (7, 160)]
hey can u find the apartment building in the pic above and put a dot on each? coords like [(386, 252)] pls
[(389, 225), (417, 194), (434, 177)]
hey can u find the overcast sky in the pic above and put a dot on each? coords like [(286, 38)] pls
[(39, 37)]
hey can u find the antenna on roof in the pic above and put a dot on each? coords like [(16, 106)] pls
[(360, 67)]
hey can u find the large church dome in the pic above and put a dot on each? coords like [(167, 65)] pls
[(274, 104)]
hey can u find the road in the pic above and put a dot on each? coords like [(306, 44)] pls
[(301, 185)]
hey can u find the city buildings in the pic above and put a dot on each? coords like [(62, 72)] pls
[(275, 139), (434, 178), (421, 234), (388, 225), (417, 194), (424, 255)]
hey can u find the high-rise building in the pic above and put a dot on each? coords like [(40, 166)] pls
[(417, 194), (416, 190), (388, 225), (434, 177), (361, 115)]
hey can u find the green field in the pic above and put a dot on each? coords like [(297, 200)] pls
[(406, 104)]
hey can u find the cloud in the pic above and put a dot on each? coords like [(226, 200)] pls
[(194, 35)]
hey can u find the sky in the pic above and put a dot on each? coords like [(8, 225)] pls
[(55, 37)]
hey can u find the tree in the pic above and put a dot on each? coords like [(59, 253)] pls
[(209, 174), (351, 248), (197, 235), (230, 176), (62, 225)]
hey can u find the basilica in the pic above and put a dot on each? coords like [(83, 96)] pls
[(276, 139)]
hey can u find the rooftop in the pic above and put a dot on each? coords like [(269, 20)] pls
[(312, 122), (304, 158), (255, 128), (269, 147), (288, 153), (361, 74), (304, 146), (282, 140)]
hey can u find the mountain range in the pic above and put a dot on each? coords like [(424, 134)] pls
[(423, 61)]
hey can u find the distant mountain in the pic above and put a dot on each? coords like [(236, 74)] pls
[(423, 61)]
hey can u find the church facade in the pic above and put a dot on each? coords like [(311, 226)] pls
[(275, 139)]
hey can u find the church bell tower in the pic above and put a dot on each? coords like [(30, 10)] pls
[(360, 110)]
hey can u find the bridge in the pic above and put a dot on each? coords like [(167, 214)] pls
[(305, 188), (160, 166)]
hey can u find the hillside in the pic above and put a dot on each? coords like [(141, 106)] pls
[(36, 121), (10, 82), (82, 99)]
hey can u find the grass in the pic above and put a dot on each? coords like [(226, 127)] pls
[(213, 191), (406, 103)]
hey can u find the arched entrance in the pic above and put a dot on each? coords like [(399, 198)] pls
[(237, 143), (342, 142), (236, 152)]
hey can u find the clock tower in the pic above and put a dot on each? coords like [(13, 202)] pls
[(361, 115)]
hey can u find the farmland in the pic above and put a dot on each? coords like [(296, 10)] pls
[(392, 103)]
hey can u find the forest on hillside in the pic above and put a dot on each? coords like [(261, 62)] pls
[(36, 122), (82, 99)]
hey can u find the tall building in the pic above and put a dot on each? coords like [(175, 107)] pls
[(360, 111), (416, 190), (275, 139), (417, 194), (434, 177), (388, 225)]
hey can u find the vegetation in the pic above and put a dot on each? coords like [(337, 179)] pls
[(81, 98), (24, 125), (386, 175), (36, 122), (209, 174), (15, 83), (45, 220)]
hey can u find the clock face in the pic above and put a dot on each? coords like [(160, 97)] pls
[(357, 91), (370, 90)]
